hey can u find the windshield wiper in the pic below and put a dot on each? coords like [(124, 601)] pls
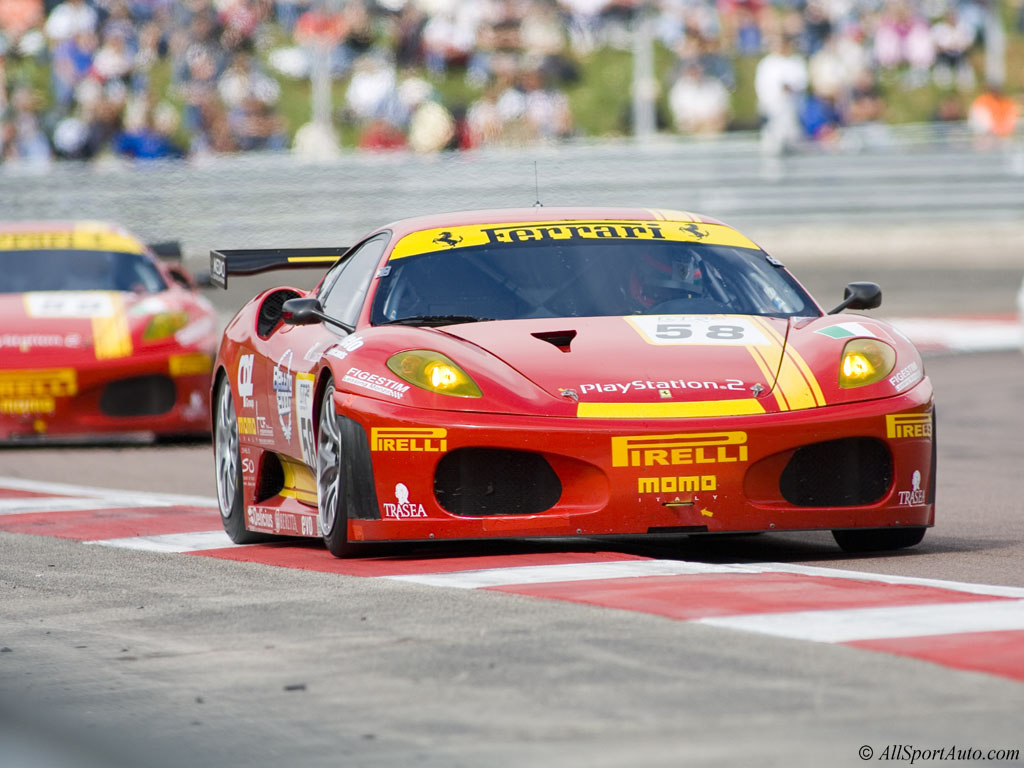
[(434, 320)]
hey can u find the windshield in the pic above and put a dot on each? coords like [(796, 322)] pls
[(585, 279), (22, 271)]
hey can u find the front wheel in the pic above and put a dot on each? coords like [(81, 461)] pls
[(332, 486), (227, 456), (878, 539)]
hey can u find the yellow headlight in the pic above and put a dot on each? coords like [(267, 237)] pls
[(164, 324), (865, 361), (433, 372)]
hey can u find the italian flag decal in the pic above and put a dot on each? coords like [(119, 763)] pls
[(845, 331)]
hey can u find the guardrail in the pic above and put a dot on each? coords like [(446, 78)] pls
[(916, 174)]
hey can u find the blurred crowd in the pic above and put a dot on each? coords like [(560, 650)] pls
[(151, 79)]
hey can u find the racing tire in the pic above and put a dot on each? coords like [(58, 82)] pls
[(878, 539), (335, 484), (228, 461)]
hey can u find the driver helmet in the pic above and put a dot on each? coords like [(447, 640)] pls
[(664, 275)]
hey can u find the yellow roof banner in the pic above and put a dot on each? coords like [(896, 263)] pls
[(78, 239), (444, 239)]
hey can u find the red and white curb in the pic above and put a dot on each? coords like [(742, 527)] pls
[(959, 625)]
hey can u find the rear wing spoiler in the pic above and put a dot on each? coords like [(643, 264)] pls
[(251, 261)]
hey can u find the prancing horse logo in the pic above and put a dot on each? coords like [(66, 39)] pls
[(447, 239), (694, 230)]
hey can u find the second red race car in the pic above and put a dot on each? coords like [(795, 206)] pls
[(100, 339), (563, 372)]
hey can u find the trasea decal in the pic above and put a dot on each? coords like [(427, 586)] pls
[(304, 408), (283, 390), (382, 385), (41, 383), (702, 330), (736, 385), (900, 425), (513, 234), (244, 380), (409, 439), (676, 449), (906, 377), (677, 484), (28, 341), (403, 509), (915, 496)]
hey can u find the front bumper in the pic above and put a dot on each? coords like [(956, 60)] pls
[(702, 475)]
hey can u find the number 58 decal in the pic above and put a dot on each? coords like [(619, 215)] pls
[(699, 329)]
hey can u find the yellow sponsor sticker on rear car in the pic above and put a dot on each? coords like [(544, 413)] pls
[(512, 234), (191, 364), (38, 383), (79, 239)]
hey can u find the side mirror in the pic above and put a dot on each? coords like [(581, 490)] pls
[(182, 278), (307, 310), (860, 296)]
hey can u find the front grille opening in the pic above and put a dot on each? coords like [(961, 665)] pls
[(851, 472), (494, 481), (138, 396)]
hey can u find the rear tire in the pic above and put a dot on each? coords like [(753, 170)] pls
[(333, 478), (878, 539), (227, 456)]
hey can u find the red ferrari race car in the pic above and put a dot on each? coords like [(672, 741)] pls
[(100, 339), (563, 372)]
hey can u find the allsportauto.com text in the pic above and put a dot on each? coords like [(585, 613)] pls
[(911, 754)]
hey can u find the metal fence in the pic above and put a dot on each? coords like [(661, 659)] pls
[(915, 175)]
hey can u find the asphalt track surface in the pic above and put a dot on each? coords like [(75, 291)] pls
[(115, 657)]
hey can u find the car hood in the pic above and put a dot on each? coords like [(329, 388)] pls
[(609, 362), (48, 328)]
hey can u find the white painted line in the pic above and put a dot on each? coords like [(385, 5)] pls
[(117, 498), (171, 542), (541, 574), (838, 573), (961, 335), (51, 504), (881, 623)]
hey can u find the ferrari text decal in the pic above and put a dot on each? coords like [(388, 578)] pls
[(675, 449), (304, 407), (409, 439), (673, 484), (382, 385), (283, 389), (81, 240), (403, 509), (513, 234), (899, 425), (707, 330), (914, 496), (640, 384), (906, 377)]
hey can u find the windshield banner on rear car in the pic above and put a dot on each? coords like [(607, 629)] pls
[(433, 240)]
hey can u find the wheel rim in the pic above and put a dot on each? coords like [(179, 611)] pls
[(225, 437), (328, 463)]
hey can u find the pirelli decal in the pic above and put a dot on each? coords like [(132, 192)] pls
[(444, 239), (679, 449), (409, 439), (39, 384), (902, 425)]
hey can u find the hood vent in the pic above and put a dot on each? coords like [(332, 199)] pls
[(560, 339)]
